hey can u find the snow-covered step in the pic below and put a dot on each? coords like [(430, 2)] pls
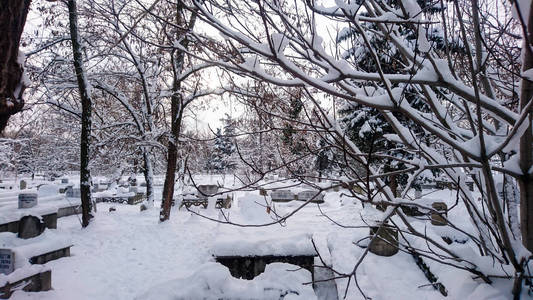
[(34, 278)]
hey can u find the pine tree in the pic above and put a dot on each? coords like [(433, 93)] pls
[(222, 159), (367, 127)]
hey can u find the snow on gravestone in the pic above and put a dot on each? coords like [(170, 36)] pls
[(282, 195), (317, 196), (73, 192), (27, 200), (7, 261)]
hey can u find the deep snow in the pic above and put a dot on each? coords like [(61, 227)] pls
[(128, 254)]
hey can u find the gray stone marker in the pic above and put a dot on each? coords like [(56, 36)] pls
[(23, 184), (64, 180), (73, 192), (30, 226), (306, 195), (438, 218), (282, 195), (27, 200), (386, 241), (7, 261), (208, 189)]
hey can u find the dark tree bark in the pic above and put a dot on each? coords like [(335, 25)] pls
[(12, 19), (526, 145), (85, 174), (177, 107)]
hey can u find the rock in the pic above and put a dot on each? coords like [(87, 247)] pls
[(112, 209)]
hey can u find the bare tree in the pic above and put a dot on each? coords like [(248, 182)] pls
[(467, 116), (86, 121)]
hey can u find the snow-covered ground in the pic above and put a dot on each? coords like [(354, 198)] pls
[(128, 254)]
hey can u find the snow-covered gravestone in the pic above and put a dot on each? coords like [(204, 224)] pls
[(22, 185), (7, 261), (27, 200), (316, 196), (282, 195), (207, 189), (73, 192)]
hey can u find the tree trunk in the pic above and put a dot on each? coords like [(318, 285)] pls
[(149, 178), (177, 107), (526, 160), (12, 19), (172, 155), (85, 174)]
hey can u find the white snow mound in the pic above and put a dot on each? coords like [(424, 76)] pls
[(214, 281)]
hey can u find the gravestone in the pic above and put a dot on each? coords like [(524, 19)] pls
[(306, 195), (438, 218), (64, 180), (282, 196), (386, 241), (7, 261), (73, 192), (27, 200), (29, 227), (23, 184), (207, 189)]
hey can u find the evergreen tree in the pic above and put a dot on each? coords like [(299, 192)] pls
[(366, 126), (222, 159)]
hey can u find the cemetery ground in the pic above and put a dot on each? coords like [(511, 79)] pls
[(128, 254)]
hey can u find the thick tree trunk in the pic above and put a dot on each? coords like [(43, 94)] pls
[(177, 107), (172, 155), (85, 174), (12, 19), (170, 177), (526, 144)]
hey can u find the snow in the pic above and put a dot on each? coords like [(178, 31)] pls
[(24, 249), (127, 254), (213, 281), (266, 243), (22, 273)]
